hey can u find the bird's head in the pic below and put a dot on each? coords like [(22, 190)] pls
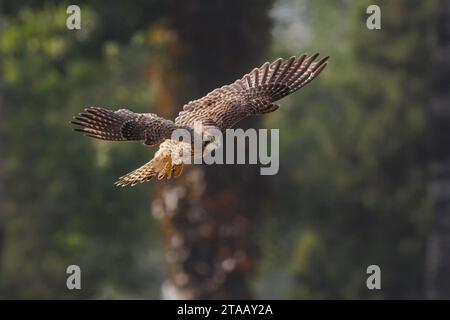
[(212, 138)]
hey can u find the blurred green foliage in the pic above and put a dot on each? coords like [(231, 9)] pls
[(351, 187), (61, 206), (354, 156)]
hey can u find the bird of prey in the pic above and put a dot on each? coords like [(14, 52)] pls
[(253, 94)]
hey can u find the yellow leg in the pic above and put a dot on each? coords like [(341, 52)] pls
[(169, 169), (163, 171), (178, 169)]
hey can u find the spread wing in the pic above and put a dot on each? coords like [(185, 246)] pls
[(123, 125), (254, 93)]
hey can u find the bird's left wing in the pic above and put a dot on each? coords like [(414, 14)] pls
[(254, 93), (123, 125)]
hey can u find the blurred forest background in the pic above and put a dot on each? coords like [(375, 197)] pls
[(364, 170)]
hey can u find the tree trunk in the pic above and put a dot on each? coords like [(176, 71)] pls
[(208, 214), (438, 260)]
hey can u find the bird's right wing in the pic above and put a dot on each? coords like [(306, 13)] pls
[(254, 93), (123, 125)]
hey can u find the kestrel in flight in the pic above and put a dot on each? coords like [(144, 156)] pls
[(253, 94)]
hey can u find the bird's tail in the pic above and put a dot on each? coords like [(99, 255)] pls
[(160, 166)]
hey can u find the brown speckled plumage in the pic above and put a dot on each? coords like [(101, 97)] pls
[(123, 125), (253, 94)]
